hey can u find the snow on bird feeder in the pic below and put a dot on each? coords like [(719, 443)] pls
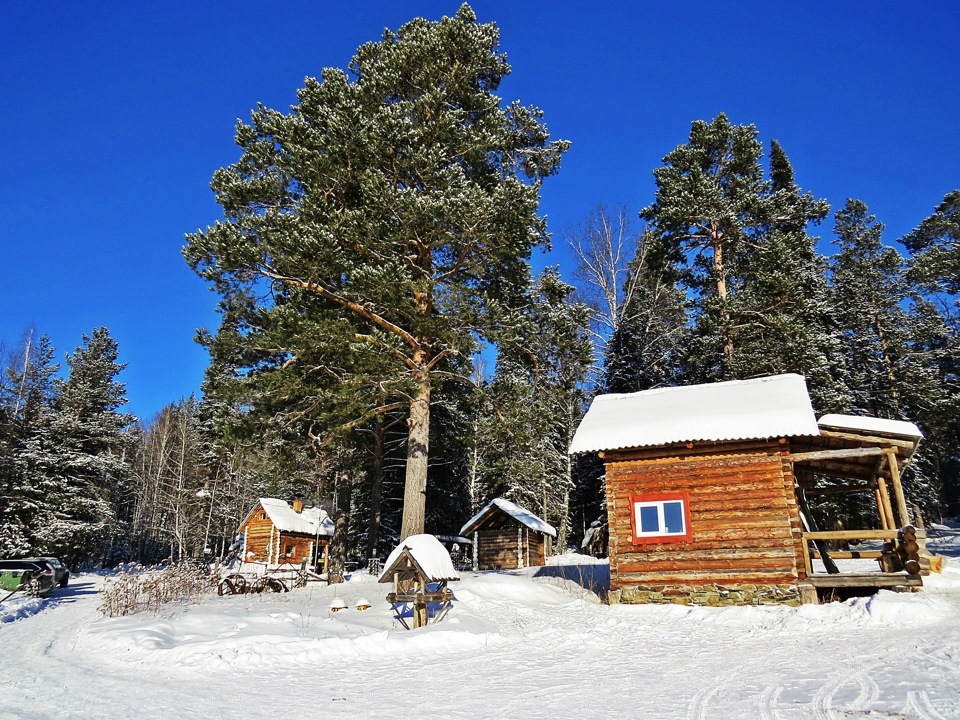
[(337, 605), (363, 603)]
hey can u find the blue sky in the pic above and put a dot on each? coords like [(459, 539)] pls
[(117, 114)]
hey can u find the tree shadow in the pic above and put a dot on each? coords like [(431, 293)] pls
[(593, 577)]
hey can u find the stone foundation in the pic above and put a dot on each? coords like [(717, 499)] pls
[(710, 595)]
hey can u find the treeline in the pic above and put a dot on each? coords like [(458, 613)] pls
[(385, 350)]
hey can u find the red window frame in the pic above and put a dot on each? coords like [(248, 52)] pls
[(658, 498)]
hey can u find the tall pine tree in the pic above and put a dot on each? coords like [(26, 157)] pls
[(402, 193)]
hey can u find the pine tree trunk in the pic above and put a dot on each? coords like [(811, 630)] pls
[(418, 445), (341, 529), (376, 489), (721, 279)]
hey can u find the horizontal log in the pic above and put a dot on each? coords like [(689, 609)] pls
[(872, 439), (636, 551), (863, 580), (694, 565), (720, 553), (835, 454), (737, 496), (850, 554), (853, 535), (730, 577), (702, 449), (703, 527), (674, 465)]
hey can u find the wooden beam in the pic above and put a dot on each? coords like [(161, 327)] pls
[(853, 554), (833, 454), (852, 535), (897, 487), (885, 502), (872, 439), (880, 512), (864, 580)]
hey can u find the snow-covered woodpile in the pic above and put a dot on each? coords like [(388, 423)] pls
[(507, 536), (701, 490), (277, 532)]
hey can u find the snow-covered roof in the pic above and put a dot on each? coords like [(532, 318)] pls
[(877, 426), (429, 553), (775, 406), (521, 515), (311, 521)]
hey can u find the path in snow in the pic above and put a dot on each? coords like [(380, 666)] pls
[(513, 647)]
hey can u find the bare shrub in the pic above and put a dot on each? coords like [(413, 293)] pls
[(136, 588)]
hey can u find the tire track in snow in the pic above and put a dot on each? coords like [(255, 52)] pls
[(869, 691)]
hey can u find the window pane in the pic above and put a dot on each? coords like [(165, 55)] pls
[(647, 515), (673, 516)]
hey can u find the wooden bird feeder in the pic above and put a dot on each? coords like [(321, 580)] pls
[(419, 569)]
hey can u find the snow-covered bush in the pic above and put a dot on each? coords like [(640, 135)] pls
[(137, 588)]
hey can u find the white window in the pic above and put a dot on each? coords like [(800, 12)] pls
[(660, 518)]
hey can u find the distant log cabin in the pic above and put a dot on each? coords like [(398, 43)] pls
[(507, 536), (706, 492), (277, 532)]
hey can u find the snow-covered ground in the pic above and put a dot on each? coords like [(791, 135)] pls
[(524, 644)]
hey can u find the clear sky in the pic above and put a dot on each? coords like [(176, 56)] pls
[(118, 112)]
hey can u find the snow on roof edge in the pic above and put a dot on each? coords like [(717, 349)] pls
[(428, 552), (759, 408), (520, 514), (868, 423)]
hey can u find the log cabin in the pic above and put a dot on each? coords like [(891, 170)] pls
[(706, 491), (506, 537), (276, 532)]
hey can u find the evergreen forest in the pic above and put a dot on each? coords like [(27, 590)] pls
[(386, 349)]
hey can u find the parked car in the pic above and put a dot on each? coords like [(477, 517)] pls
[(36, 578), (61, 576)]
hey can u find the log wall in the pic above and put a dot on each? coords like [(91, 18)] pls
[(268, 544), (746, 535), (497, 548), (259, 533)]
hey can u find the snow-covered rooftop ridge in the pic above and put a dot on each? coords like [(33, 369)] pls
[(879, 426), (311, 521), (774, 406), (429, 553), (521, 515)]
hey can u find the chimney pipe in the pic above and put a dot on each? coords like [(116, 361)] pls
[(298, 504)]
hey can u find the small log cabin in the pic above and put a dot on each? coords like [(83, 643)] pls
[(706, 492), (277, 532), (506, 537)]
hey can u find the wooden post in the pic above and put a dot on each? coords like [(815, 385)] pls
[(520, 547), (880, 512), (885, 502), (419, 611), (326, 558), (897, 487), (805, 545)]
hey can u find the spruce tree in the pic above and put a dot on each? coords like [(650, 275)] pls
[(91, 455), (401, 193), (785, 319), (27, 448), (935, 247), (534, 404), (870, 291)]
